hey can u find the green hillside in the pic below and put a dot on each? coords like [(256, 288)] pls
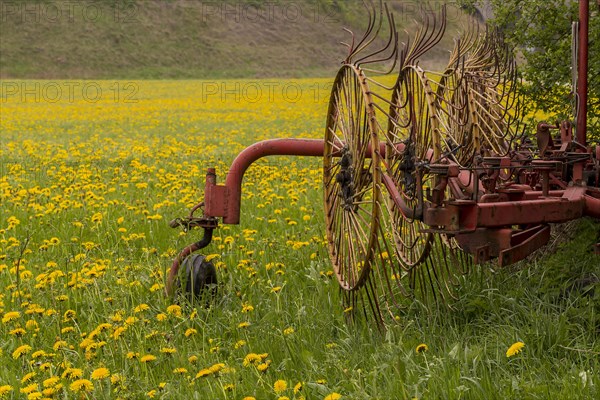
[(188, 39)]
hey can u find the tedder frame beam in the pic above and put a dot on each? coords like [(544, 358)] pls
[(562, 205)]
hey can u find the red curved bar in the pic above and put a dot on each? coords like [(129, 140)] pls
[(280, 147)]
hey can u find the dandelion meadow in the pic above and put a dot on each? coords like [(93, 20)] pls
[(88, 183)]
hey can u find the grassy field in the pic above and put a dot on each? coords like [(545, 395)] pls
[(92, 171)]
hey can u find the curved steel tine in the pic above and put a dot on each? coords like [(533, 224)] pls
[(350, 46), (391, 69), (419, 38), (379, 23), (391, 38), (436, 33), (370, 26)]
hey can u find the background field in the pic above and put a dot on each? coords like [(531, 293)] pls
[(87, 189)]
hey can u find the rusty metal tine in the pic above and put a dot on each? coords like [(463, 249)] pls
[(367, 43), (391, 38), (370, 26)]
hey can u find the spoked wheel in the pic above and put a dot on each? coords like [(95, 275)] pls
[(460, 140), (426, 262), (410, 144), (351, 181)]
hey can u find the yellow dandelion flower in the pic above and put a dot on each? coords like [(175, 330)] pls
[(216, 368), (249, 398), (252, 359), (10, 316), (45, 366), (298, 387), (174, 309), (333, 396), (151, 393), (117, 378), (21, 350), (51, 391), (50, 381), (34, 396), (4, 389), (29, 388), (81, 385), (17, 332), (288, 331), (190, 331), (28, 377), (168, 350), (421, 348), (141, 308), (97, 218), (69, 314), (280, 386), (515, 348), (118, 332), (264, 366), (247, 308), (38, 354), (203, 372), (100, 373), (147, 358), (243, 324), (72, 373)]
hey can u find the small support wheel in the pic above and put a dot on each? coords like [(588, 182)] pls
[(197, 278)]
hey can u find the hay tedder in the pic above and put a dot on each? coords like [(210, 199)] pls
[(426, 177)]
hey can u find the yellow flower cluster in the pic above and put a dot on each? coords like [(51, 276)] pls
[(86, 188)]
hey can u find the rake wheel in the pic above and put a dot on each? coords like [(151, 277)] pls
[(351, 181), (411, 123), (427, 261)]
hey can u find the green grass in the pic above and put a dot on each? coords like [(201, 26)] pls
[(61, 164)]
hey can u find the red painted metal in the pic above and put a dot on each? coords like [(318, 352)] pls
[(523, 244), (591, 206), (485, 243), (407, 212), (231, 195), (582, 72)]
